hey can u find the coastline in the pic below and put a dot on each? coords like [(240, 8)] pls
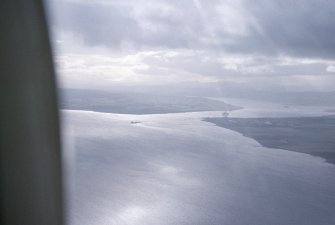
[(310, 135)]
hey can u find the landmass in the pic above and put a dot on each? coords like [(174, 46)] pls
[(137, 103), (311, 135)]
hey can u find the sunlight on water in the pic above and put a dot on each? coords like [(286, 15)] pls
[(132, 214)]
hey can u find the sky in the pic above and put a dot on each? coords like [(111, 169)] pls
[(285, 45)]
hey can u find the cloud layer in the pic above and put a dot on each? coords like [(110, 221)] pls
[(196, 40), (295, 28)]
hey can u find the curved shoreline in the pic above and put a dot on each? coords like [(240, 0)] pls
[(310, 135)]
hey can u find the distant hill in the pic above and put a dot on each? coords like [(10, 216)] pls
[(137, 103)]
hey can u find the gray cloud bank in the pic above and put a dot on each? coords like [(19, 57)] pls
[(299, 28)]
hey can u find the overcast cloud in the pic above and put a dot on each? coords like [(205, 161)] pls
[(162, 42)]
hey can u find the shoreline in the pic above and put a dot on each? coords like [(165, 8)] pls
[(310, 135)]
